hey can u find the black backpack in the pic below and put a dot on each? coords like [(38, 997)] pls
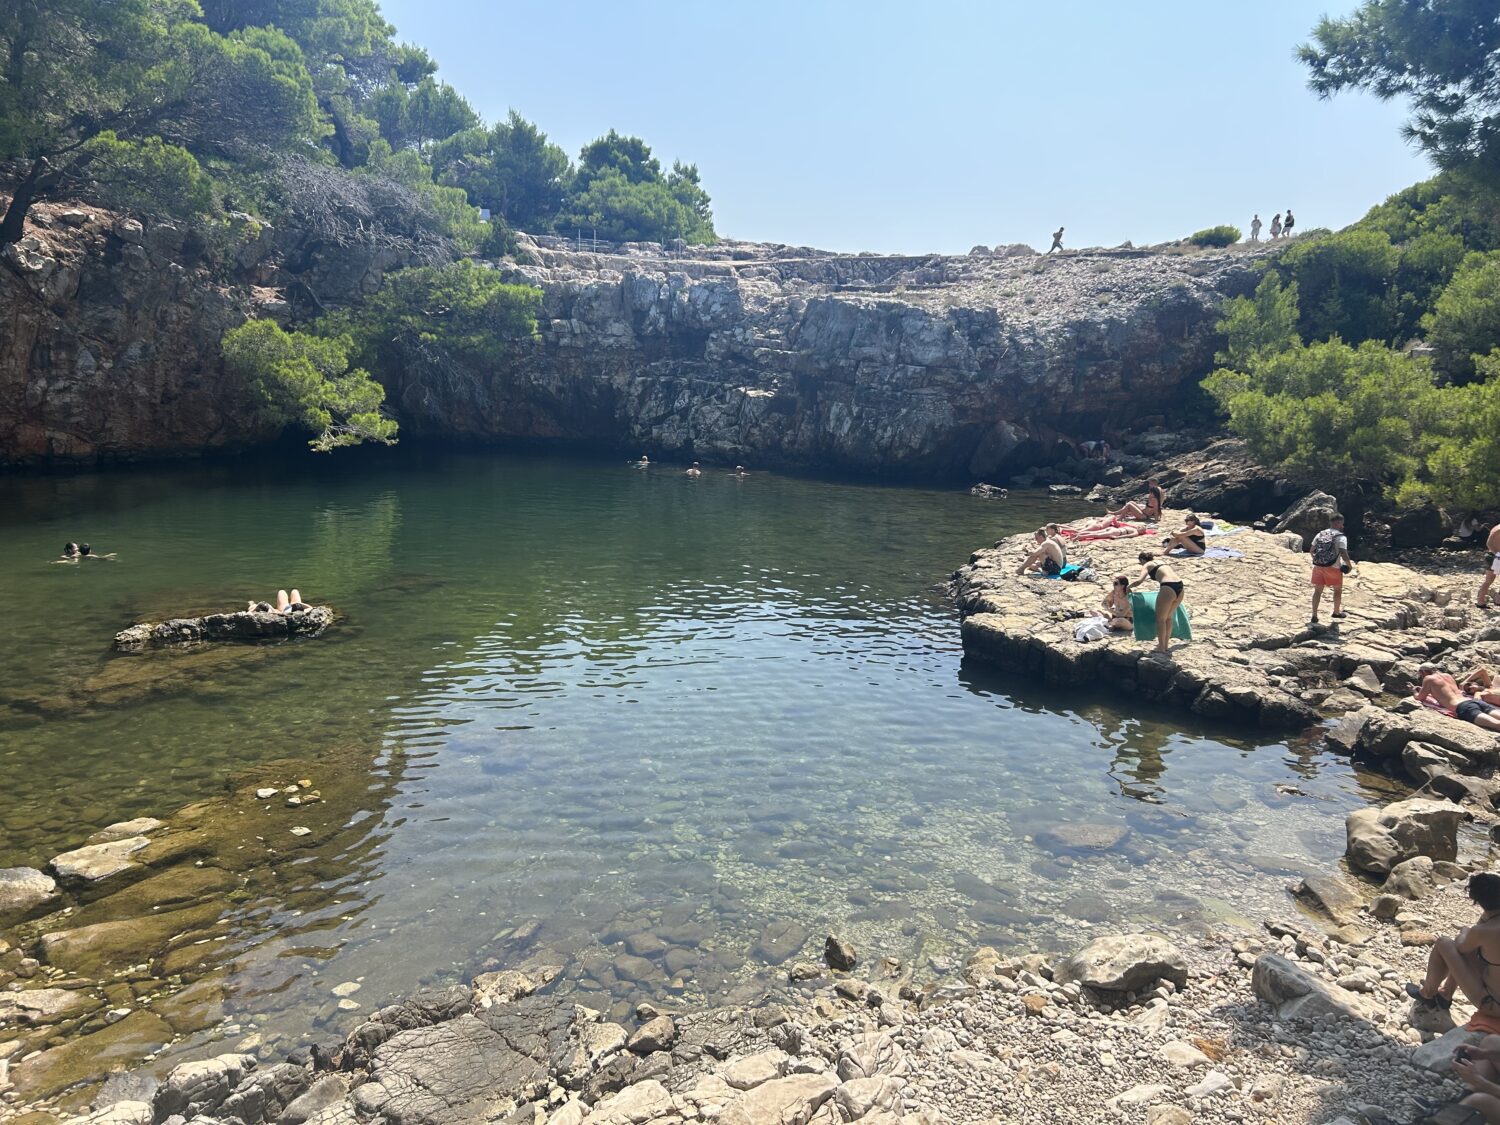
[(1325, 547)]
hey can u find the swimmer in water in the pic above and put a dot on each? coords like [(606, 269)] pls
[(643, 463), (741, 471), (694, 471), (74, 553)]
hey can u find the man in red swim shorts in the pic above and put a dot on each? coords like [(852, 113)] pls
[(1330, 562)]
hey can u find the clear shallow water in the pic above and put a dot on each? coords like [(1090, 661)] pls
[(613, 701)]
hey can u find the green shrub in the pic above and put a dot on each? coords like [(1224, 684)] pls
[(301, 380), (1465, 322), (463, 308), (1220, 236)]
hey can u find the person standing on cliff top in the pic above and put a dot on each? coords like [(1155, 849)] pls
[(1255, 228), (1286, 224), (1056, 240), (1330, 562), (1276, 226), (1492, 567)]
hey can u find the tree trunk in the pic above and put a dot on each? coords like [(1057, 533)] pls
[(13, 226)]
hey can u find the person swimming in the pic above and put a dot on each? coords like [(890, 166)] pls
[(741, 471), (694, 470), (643, 463), (74, 553)]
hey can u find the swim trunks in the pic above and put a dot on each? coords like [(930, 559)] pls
[(1051, 566), (1327, 576), (1471, 709)]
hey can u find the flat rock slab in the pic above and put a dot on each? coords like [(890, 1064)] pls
[(1251, 637), (240, 627), (94, 863), (125, 829), (24, 892), (46, 1005)]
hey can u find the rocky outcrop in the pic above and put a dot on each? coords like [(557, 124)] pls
[(1254, 657), (954, 367), (110, 328), (1380, 839), (242, 627), (957, 367)]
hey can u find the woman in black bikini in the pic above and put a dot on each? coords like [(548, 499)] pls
[(1148, 510), (1191, 538), (1168, 597)]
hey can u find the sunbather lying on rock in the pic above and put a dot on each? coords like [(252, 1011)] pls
[(1442, 689), (284, 604)]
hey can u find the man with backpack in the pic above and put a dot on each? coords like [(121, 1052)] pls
[(1330, 562)]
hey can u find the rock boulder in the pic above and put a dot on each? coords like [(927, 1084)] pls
[(1379, 839), (1124, 963), (24, 893)]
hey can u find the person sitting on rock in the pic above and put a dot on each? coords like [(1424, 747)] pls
[(1471, 963), (1191, 538), (694, 470), (284, 604), (1148, 510), (1443, 690), (1050, 556), (1117, 605)]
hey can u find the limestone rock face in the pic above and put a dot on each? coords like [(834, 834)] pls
[(1379, 839), (1125, 962)]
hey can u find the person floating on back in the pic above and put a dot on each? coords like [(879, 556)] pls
[(1056, 240), (1255, 228), (1275, 226), (1286, 224), (1330, 562)]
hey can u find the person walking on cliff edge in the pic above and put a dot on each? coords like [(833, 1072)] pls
[(1056, 240), (1255, 229)]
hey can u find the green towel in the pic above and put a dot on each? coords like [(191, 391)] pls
[(1143, 612)]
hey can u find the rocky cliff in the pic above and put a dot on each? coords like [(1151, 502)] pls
[(919, 366), (111, 328)]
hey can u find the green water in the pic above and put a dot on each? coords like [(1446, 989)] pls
[(610, 700)]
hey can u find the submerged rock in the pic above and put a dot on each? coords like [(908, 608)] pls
[(241, 626)]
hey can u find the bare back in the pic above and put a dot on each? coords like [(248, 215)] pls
[(1492, 540), (1443, 690)]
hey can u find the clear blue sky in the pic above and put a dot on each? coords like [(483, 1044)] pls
[(876, 125)]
